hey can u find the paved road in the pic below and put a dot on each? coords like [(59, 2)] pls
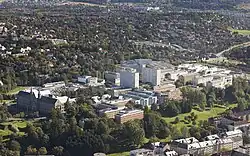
[(246, 44)]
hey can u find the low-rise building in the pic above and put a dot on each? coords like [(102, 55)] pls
[(202, 80), (109, 112), (83, 79), (164, 88), (116, 92), (144, 98), (127, 115)]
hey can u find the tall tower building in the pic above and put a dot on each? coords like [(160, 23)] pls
[(129, 78)]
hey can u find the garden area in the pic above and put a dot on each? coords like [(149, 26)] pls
[(8, 128)]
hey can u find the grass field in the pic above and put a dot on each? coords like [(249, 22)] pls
[(201, 115), (18, 124), (241, 32)]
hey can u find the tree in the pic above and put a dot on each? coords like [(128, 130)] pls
[(175, 133), (57, 150), (42, 151), (185, 132), (31, 150), (242, 104), (134, 133), (102, 128), (154, 107), (14, 145), (146, 109), (176, 120)]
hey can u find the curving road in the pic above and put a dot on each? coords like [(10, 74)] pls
[(242, 45)]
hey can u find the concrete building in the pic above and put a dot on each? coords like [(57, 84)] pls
[(129, 78), (109, 112), (164, 88), (202, 80), (151, 75), (189, 77), (144, 98), (116, 92), (175, 74), (91, 81), (54, 85), (112, 77), (83, 79), (220, 81), (125, 115)]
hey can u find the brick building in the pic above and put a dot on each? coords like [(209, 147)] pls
[(125, 116)]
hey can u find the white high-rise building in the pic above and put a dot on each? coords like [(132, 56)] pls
[(129, 78), (151, 75)]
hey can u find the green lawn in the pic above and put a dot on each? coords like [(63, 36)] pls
[(119, 154), (241, 32), (16, 90), (5, 132), (18, 124), (204, 115)]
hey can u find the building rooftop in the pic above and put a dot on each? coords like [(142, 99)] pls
[(171, 153), (206, 144), (212, 137), (235, 132), (188, 140), (50, 100), (126, 112)]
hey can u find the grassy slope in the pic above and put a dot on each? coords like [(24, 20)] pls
[(18, 124), (241, 32), (16, 90), (201, 115)]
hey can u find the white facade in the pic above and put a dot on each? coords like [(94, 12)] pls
[(221, 81), (144, 98), (174, 75), (151, 75), (202, 79), (83, 79), (129, 78)]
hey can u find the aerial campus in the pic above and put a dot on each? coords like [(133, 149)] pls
[(124, 78)]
